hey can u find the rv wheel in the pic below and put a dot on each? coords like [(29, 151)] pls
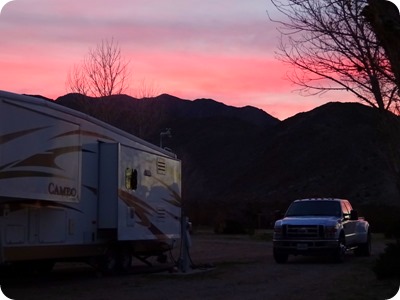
[(124, 259), (108, 262)]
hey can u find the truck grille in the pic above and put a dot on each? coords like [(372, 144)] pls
[(303, 231)]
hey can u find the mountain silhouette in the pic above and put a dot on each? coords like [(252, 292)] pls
[(242, 164)]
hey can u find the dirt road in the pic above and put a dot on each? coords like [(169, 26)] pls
[(244, 269)]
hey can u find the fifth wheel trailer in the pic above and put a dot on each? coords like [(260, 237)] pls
[(75, 188)]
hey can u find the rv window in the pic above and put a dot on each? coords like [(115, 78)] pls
[(128, 178), (131, 179), (134, 180)]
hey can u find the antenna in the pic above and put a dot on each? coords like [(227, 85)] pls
[(167, 133)]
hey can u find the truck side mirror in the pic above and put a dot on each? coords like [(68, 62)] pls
[(353, 215)]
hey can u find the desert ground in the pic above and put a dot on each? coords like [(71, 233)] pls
[(224, 267)]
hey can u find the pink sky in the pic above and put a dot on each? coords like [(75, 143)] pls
[(223, 50)]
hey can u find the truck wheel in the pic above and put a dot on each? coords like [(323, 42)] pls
[(365, 248), (340, 252), (280, 257)]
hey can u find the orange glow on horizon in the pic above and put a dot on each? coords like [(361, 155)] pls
[(222, 51)]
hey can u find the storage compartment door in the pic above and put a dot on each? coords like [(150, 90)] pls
[(108, 185)]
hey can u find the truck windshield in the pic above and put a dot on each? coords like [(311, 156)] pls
[(314, 208)]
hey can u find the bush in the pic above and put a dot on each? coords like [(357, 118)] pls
[(387, 266), (234, 227), (384, 219)]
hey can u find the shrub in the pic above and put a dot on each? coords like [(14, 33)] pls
[(388, 264)]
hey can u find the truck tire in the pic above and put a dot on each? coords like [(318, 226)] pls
[(364, 249), (340, 252), (280, 257)]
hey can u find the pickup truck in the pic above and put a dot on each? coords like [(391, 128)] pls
[(315, 226)]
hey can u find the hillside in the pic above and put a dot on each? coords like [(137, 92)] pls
[(147, 117), (337, 150), (242, 164), (213, 140)]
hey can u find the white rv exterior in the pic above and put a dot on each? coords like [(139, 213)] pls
[(73, 187)]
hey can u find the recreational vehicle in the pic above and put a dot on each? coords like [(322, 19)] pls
[(75, 188)]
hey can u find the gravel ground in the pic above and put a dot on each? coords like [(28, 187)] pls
[(229, 267)]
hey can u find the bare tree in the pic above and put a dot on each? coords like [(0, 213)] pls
[(332, 47), (76, 81), (146, 89), (103, 72), (384, 18)]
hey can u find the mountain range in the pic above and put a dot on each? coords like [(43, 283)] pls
[(240, 165)]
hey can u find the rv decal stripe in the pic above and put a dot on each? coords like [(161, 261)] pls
[(173, 215), (92, 189), (18, 174), (85, 133), (134, 201), (157, 232), (176, 198), (142, 210), (173, 201), (12, 136), (6, 165), (47, 159), (16, 205)]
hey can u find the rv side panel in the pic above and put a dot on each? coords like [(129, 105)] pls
[(36, 151), (149, 193)]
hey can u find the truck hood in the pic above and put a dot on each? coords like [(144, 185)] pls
[(309, 220)]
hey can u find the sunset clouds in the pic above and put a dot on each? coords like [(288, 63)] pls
[(191, 49)]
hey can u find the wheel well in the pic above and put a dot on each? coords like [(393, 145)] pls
[(342, 236)]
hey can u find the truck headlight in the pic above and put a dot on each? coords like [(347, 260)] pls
[(277, 230)]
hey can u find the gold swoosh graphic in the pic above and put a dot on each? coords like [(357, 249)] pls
[(47, 159), (83, 132), (12, 136), (142, 210), (18, 205), (7, 165), (176, 198), (18, 174)]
